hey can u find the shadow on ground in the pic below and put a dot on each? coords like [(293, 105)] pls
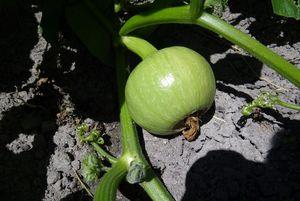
[(90, 84), (78, 196), (25, 147), (227, 175), (18, 34), (268, 28)]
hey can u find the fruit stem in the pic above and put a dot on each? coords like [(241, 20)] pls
[(132, 151), (139, 46), (129, 136), (130, 141)]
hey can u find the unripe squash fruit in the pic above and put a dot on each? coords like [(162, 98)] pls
[(167, 88)]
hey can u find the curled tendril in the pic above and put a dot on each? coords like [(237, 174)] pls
[(92, 136), (82, 129), (95, 136), (264, 100)]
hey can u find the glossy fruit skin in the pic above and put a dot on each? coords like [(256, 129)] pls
[(168, 86)]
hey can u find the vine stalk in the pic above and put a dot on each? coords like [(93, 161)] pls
[(107, 188), (182, 15)]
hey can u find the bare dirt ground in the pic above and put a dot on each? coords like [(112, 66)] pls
[(46, 90)]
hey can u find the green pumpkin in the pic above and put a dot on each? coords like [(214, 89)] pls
[(167, 87)]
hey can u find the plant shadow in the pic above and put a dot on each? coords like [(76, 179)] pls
[(18, 33), (268, 28), (227, 175), (77, 196), (237, 69), (26, 144), (89, 83)]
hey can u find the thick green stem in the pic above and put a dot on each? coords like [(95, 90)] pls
[(103, 153), (196, 8), (107, 188), (129, 135), (130, 142), (130, 145), (288, 105), (139, 46), (261, 52), (208, 21), (155, 188)]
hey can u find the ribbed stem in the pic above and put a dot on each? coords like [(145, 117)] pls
[(208, 21), (196, 8), (107, 188), (155, 188), (288, 105), (130, 142), (128, 131)]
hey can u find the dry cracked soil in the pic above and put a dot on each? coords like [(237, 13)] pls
[(45, 91)]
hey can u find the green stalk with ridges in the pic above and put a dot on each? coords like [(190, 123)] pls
[(106, 191), (107, 188), (288, 105), (131, 148), (196, 7), (139, 46), (182, 15)]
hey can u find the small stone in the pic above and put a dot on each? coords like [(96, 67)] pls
[(89, 121), (61, 162), (72, 184), (57, 186), (75, 164), (52, 177)]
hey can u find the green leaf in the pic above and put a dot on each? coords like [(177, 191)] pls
[(196, 8), (91, 167), (287, 8), (53, 13), (90, 31), (105, 7)]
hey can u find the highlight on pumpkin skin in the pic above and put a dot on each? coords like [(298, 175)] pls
[(169, 86)]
